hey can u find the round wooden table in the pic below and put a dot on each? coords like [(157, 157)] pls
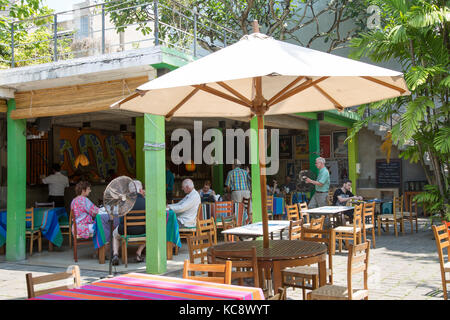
[(282, 254)]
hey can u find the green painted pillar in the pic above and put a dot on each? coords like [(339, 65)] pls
[(217, 181), (17, 190), (314, 145), (155, 199), (255, 171), (352, 159), (140, 169)]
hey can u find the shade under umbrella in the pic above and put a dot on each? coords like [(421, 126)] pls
[(260, 75)]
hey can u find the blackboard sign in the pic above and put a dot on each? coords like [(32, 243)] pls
[(389, 175)]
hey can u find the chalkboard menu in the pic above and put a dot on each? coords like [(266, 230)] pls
[(389, 174)]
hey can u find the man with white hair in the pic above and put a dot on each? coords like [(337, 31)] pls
[(322, 184), (131, 230), (186, 209)]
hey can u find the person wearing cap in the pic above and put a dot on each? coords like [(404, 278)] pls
[(322, 185), (131, 230), (238, 182)]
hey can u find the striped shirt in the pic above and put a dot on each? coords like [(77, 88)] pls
[(237, 180)]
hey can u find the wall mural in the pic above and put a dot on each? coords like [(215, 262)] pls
[(105, 152)]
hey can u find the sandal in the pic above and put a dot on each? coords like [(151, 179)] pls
[(139, 258)]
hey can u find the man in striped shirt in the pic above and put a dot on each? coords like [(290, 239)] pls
[(238, 182)]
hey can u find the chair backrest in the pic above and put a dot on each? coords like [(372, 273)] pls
[(212, 269), (44, 204), (292, 212), (357, 217), (368, 212), (198, 246), (281, 295), (330, 197), (358, 261), (223, 208), (317, 224), (269, 203), (397, 207), (29, 216), (72, 272), (302, 207), (295, 229), (228, 223), (137, 219), (321, 236), (246, 207), (288, 198), (441, 235), (245, 263), (207, 226)]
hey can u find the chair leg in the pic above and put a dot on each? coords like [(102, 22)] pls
[(379, 227), (417, 227), (373, 238), (395, 228), (75, 255), (31, 244), (39, 241)]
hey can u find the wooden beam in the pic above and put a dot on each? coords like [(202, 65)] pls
[(234, 92), (221, 94), (337, 105), (290, 85), (384, 84), (305, 85), (182, 102)]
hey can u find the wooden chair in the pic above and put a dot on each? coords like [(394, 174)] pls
[(292, 212), (225, 269), (302, 207), (307, 277), (295, 229), (352, 232), (80, 241), (192, 231), (207, 226), (288, 199), (246, 205), (316, 224), (32, 232), (137, 219), (410, 212), (44, 204), (222, 208), (358, 261), (281, 295), (269, 204), (245, 264), (441, 235), (368, 221), (66, 228), (394, 218), (72, 272), (330, 197), (198, 247), (229, 223)]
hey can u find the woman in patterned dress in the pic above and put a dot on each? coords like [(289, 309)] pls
[(84, 210)]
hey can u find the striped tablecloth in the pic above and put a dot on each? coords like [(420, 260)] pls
[(138, 286)]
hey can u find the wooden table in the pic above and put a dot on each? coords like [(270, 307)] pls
[(335, 211), (282, 254), (255, 230), (139, 286)]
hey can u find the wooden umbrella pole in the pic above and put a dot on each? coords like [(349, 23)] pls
[(262, 179)]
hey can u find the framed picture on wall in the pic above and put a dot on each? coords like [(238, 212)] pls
[(286, 147), (340, 148), (302, 146), (325, 146), (290, 169)]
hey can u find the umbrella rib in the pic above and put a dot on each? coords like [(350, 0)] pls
[(384, 84), (305, 85), (337, 105), (170, 114), (290, 85), (221, 94), (234, 92)]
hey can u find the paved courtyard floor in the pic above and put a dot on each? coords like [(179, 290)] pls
[(401, 268)]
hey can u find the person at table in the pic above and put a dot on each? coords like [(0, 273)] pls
[(170, 180), (131, 230), (57, 183), (206, 193), (289, 185), (238, 182), (273, 191), (84, 211), (322, 185), (343, 194), (186, 209)]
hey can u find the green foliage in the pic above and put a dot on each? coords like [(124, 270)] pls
[(415, 33)]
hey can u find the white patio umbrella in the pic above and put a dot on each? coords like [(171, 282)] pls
[(259, 75)]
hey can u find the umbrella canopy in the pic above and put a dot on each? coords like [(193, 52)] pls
[(259, 75)]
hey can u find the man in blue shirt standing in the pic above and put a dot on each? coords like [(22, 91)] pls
[(322, 185)]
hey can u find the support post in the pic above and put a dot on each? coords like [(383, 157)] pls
[(255, 171), (155, 200), (16, 198), (140, 168), (352, 160), (314, 145), (217, 176)]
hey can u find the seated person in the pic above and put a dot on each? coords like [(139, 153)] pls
[(186, 209), (131, 230), (206, 193), (289, 186), (344, 194), (84, 211), (273, 191)]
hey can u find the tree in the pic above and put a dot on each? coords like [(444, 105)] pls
[(416, 34), (327, 22)]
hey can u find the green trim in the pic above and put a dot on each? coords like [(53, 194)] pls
[(255, 171), (16, 182), (344, 119), (314, 144), (172, 59), (140, 168), (217, 176), (352, 160), (155, 200)]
